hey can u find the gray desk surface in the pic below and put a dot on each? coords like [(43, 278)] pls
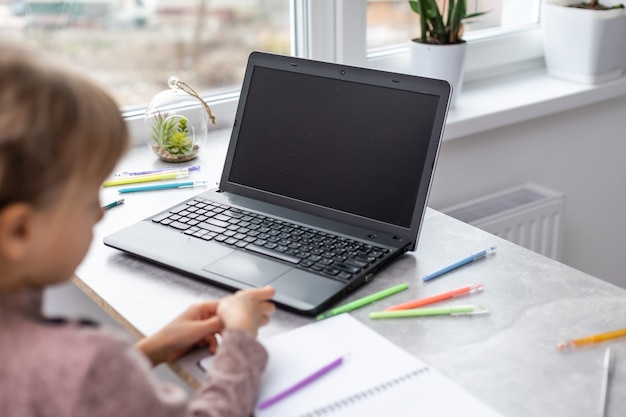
[(507, 358)]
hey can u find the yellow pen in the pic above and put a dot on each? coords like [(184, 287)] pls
[(589, 340), (181, 173)]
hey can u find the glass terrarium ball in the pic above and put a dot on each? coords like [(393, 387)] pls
[(176, 124)]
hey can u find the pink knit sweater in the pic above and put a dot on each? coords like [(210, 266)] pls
[(63, 369)]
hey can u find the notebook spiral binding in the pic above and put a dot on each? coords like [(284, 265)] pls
[(367, 393)]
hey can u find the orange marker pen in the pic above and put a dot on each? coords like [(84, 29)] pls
[(435, 298)]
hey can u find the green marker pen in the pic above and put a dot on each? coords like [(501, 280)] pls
[(434, 311), (363, 301)]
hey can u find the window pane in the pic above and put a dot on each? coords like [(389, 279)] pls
[(392, 22), (133, 46)]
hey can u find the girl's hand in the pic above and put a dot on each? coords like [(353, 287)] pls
[(247, 310), (195, 326)]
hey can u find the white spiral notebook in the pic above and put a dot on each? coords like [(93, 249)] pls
[(377, 378)]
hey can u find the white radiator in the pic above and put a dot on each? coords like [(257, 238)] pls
[(528, 215)]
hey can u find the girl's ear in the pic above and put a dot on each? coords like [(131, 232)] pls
[(15, 231)]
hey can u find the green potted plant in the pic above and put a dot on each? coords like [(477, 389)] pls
[(437, 30), (584, 41), (439, 51)]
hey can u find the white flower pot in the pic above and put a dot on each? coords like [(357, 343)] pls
[(444, 62), (586, 46)]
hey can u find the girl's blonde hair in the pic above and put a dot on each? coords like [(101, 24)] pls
[(55, 125)]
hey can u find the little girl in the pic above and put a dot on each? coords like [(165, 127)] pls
[(60, 136)]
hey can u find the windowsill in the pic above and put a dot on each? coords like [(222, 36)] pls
[(505, 100), (483, 105)]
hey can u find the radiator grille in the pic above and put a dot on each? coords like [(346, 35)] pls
[(528, 215)]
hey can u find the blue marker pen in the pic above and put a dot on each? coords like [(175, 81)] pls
[(186, 184), (472, 258)]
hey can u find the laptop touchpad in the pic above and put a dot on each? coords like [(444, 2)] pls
[(248, 269)]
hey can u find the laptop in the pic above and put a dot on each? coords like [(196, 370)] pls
[(326, 181)]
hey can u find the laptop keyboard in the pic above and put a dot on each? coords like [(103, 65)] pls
[(308, 248)]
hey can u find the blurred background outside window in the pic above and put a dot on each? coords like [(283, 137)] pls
[(133, 46)]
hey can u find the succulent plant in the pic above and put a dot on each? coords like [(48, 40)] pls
[(172, 134)]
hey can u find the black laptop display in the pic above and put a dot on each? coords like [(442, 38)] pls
[(326, 180)]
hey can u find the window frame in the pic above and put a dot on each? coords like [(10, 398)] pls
[(488, 52), (335, 30)]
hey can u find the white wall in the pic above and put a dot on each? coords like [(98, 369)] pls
[(580, 152)]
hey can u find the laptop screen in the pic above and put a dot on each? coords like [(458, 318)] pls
[(353, 147)]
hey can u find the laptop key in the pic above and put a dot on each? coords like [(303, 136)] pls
[(366, 258), (222, 217), (331, 271), (278, 255), (179, 226), (161, 217), (216, 222), (345, 267), (211, 227), (356, 263), (178, 209), (344, 275)]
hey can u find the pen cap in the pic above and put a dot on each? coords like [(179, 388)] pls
[(176, 123)]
